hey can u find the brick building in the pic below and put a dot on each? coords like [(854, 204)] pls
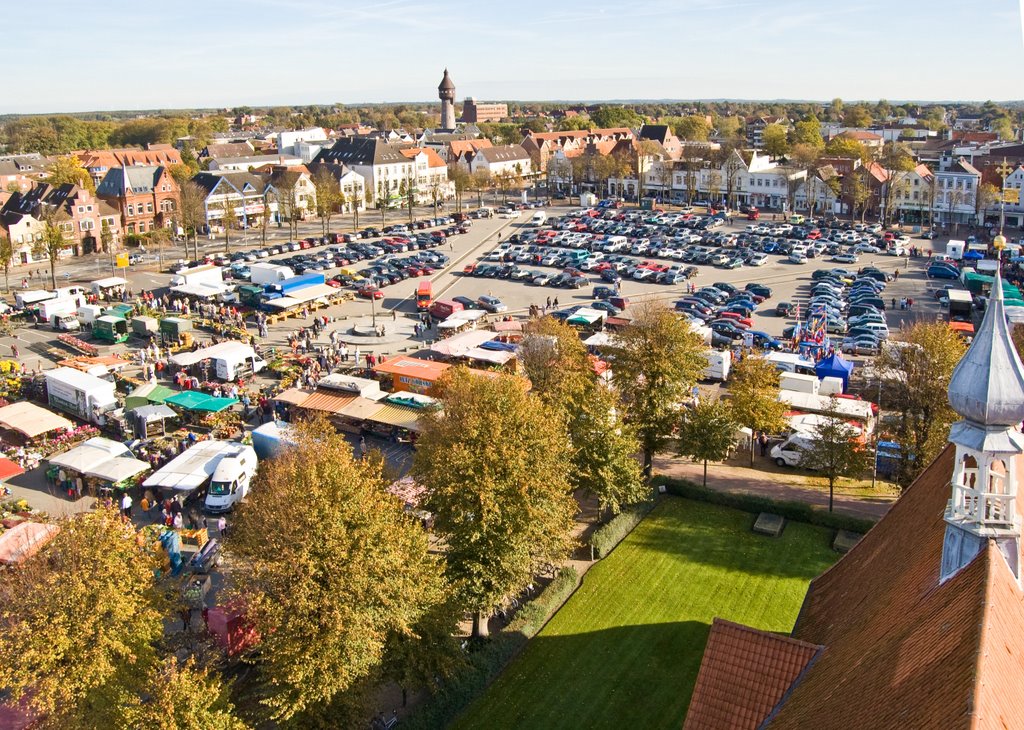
[(145, 196), (474, 112)]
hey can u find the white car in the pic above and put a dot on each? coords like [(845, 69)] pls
[(797, 258), (866, 248), (758, 259), (845, 258)]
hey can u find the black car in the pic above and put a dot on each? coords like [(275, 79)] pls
[(784, 309), (466, 302)]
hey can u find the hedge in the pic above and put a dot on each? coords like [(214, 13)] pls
[(798, 511), (606, 537), (485, 663)]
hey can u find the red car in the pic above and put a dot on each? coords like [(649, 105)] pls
[(737, 319), (371, 292)]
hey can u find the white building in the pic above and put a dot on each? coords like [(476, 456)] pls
[(505, 159), (287, 142)]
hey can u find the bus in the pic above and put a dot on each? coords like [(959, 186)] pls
[(424, 295)]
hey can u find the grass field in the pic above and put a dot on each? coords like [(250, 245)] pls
[(625, 650)]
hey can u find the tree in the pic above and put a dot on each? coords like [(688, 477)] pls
[(615, 116), (179, 696), (1003, 126), (775, 140), (574, 123), (69, 170), (265, 215), (843, 146), (730, 128), (754, 397), (460, 181), (988, 197), (228, 219), (602, 446), (836, 110), (80, 620), (327, 196), (857, 192), (656, 360), (834, 451), (481, 181), (494, 463), (693, 128), (506, 180), (326, 587), (53, 241), (915, 377), (192, 212), (808, 132), (182, 173), (707, 432), (561, 169), (898, 162), (6, 259), (857, 115), (288, 210)]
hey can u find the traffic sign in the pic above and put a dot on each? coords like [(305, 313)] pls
[(122, 261)]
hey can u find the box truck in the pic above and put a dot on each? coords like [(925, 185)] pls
[(80, 394), (719, 364), (209, 274)]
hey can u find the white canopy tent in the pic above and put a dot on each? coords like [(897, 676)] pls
[(118, 469), (90, 454)]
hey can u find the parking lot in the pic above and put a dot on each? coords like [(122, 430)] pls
[(488, 240)]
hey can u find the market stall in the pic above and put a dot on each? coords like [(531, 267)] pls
[(24, 540), (31, 421), (150, 421), (147, 394), (117, 473), (193, 400)]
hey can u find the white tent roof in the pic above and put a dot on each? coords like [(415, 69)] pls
[(189, 470), (32, 420), (231, 348), (90, 455), (498, 357), (118, 469), (200, 290), (460, 344), (303, 295), (846, 407), (109, 282)]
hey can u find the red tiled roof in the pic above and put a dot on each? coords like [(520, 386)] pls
[(743, 675), (433, 159), (903, 650), (861, 136), (461, 146)]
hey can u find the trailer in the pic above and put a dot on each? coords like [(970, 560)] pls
[(80, 394), (961, 305), (27, 298)]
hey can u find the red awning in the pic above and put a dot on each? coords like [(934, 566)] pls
[(9, 469)]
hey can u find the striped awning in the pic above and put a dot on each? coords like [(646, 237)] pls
[(323, 400), (392, 415)]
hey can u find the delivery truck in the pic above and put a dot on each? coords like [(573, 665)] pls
[(82, 395), (209, 274), (27, 298), (61, 314)]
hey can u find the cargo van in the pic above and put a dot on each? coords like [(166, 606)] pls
[(791, 451), (444, 308), (231, 480), (539, 218)]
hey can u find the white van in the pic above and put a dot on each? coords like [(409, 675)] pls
[(231, 480), (539, 218), (791, 451)]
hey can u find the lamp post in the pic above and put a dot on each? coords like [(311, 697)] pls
[(1003, 171)]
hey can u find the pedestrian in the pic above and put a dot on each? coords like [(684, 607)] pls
[(15, 353), (222, 526), (177, 523), (126, 504), (362, 447), (894, 302), (762, 440), (394, 315), (896, 275)]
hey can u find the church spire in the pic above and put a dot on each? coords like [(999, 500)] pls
[(987, 390)]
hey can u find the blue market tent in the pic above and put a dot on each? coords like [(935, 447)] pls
[(836, 367)]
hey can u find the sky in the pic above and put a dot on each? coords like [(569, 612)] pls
[(112, 54)]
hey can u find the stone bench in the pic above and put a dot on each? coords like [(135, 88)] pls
[(845, 540)]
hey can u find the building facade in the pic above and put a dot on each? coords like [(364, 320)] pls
[(145, 196), (474, 112)]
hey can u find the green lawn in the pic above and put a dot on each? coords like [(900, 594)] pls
[(625, 650)]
